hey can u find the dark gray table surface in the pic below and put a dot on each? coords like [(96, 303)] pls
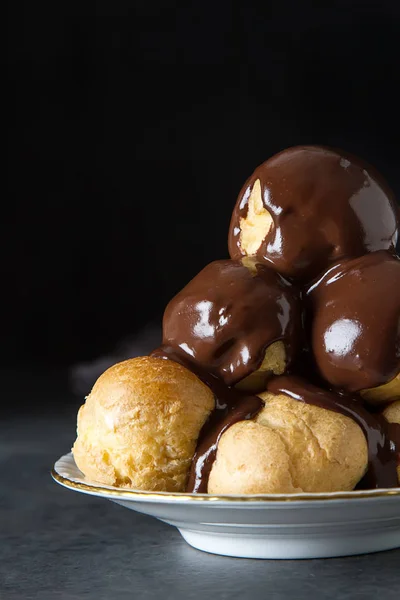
[(58, 544)]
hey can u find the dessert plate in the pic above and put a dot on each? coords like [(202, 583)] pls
[(262, 526)]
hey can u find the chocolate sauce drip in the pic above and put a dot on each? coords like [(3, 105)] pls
[(325, 205), (228, 315), (394, 434), (382, 438), (231, 406), (355, 330), (328, 209)]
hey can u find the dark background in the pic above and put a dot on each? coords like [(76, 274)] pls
[(133, 126)]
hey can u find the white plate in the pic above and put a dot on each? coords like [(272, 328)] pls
[(262, 526)]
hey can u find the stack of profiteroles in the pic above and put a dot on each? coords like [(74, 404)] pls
[(279, 370)]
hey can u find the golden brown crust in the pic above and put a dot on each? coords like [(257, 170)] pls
[(274, 363), (290, 447), (251, 459), (383, 393), (140, 423), (257, 223), (392, 414)]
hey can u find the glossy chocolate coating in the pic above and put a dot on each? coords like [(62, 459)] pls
[(325, 205), (227, 316), (231, 406), (355, 332)]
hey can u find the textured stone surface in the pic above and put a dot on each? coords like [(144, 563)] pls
[(59, 545)]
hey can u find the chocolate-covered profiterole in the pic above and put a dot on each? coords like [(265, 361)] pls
[(228, 315), (383, 439), (309, 206), (355, 332), (231, 406)]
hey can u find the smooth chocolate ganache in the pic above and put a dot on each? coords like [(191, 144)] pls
[(231, 406), (382, 438), (229, 314), (325, 205), (355, 331), (331, 227)]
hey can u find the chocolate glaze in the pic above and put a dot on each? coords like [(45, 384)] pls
[(394, 434), (328, 209), (227, 316), (382, 438), (231, 406), (325, 205), (355, 332)]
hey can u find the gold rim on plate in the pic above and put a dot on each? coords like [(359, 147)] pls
[(139, 495)]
